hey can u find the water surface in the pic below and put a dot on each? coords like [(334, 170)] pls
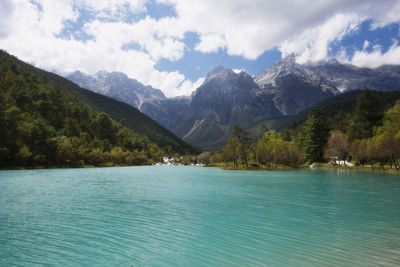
[(193, 216)]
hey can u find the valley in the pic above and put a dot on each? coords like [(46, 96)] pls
[(275, 95)]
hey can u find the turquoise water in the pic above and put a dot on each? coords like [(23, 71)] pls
[(193, 216)]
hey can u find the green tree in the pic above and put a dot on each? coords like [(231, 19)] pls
[(103, 127), (272, 148), (337, 146), (315, 133), (3, 130), (231, 151), (366, 117), (241, 135), (387, 137), (24, 155)]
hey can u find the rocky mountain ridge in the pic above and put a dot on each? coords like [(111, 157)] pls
[(226, 98), (117, 85)]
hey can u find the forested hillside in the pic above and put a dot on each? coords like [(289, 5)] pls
[(48, 120), (363, 128), (335, 110)]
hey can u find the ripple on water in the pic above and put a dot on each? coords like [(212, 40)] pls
[(186, 216)]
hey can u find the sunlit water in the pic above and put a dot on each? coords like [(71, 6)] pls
[(193, 216)]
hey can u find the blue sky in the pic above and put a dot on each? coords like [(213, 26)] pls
[(172, 44)]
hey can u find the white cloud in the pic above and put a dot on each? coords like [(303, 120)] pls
[(312, 45), (117, 34), (249, 28), (187, 87), (243, 28), (210, 43), (113, 9), (385, 13), (6, 11), (366, 45), (238, 70), (34, 39), (376, 58)]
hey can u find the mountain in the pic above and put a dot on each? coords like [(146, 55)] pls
[(294, 87), (226, 98), (168, 112), (118, 86), (347, 77), (334, 109), (133, 119), (53, 120), (204, 119)]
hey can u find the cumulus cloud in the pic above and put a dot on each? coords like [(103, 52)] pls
[(6, 11), (249, 28), (187, 87), (113, 9), (376, 57), (145, 33), (33, 31), (384, 13), (312, 44), (36, 29), (210, 43)]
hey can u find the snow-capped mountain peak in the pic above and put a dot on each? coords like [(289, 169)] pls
[(119, 86)]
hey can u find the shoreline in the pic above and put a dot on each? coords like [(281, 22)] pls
[(318, 166), (226, 168), (42, 167)]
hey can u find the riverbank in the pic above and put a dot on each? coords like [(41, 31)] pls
[(223, 166), (66, 166), (231, 167), (366, 168)]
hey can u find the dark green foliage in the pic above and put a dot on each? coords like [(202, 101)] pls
[(118, 111), (366, 116), (314, 135), (43, 121), (384, 145), (356, 112), (270, 152), (129, 116), (241, 136), (104, 128), (337, 110)]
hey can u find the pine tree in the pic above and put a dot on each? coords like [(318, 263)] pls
[(315, 133), (366, 117)]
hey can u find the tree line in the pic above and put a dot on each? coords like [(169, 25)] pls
[(40, 124), (367, 137)]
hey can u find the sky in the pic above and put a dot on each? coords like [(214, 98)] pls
[(173, 44)]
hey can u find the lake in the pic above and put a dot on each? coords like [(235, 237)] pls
[(194, 216)]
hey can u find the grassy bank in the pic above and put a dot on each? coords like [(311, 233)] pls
[(241, 167)]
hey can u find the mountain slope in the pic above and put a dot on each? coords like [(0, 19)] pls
[(118, 86), (347, 77), (293, 87), (224, 99), (118, 111), (296, 87), (40, 124), (333, 108), (168, 112), (227, 98)]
